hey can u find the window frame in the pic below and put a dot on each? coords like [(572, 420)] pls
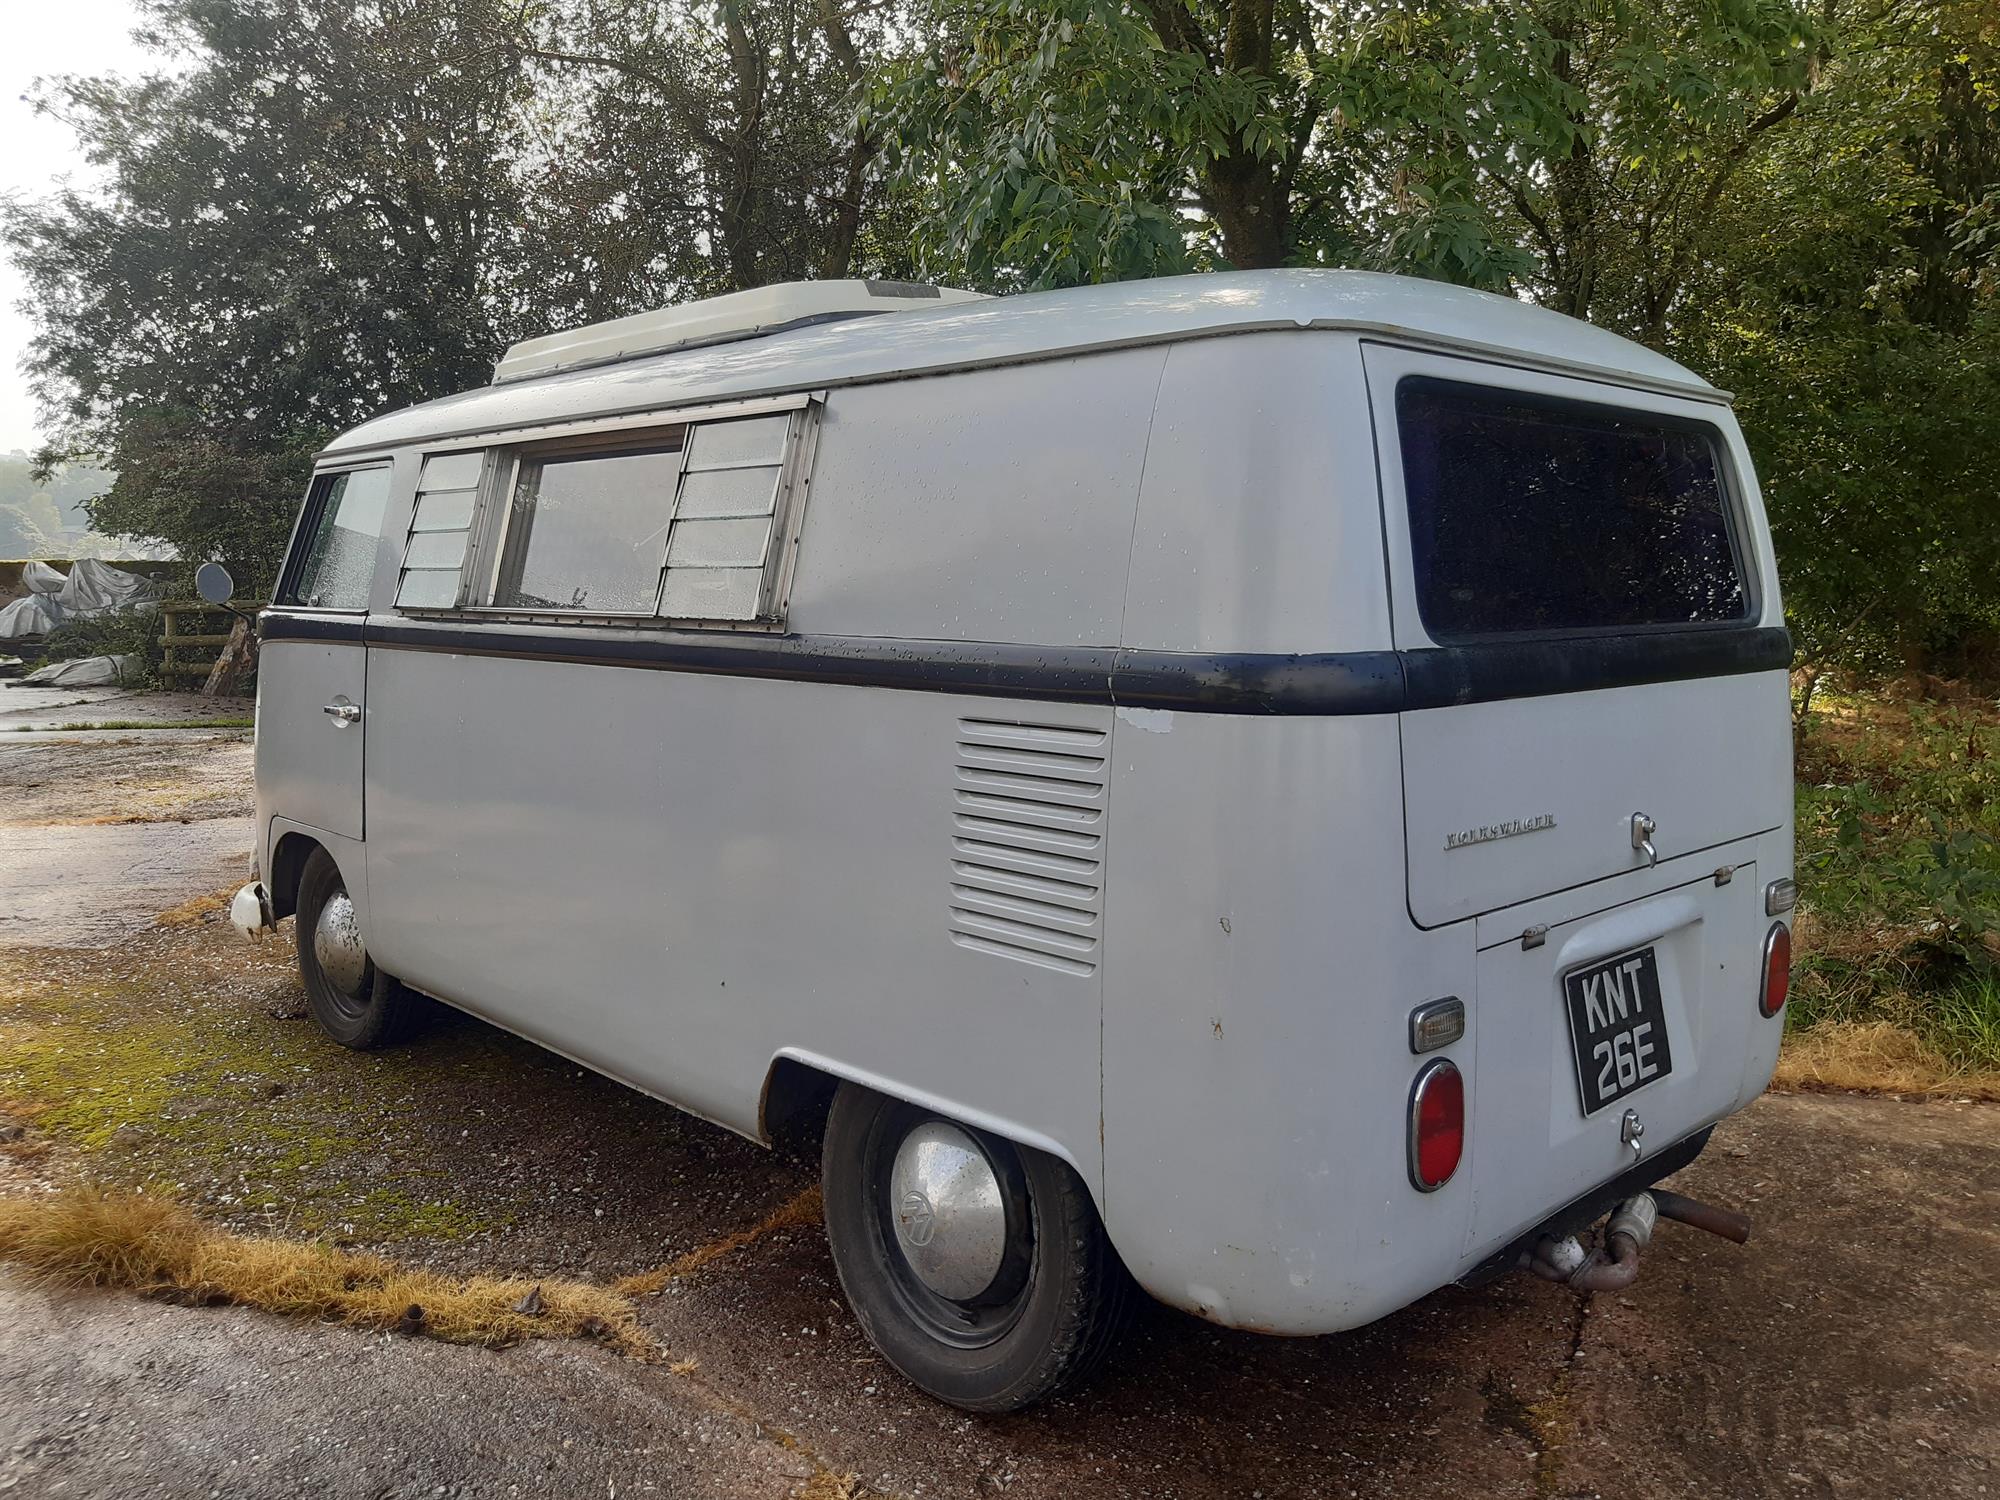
[(1478, 378), (311, 510), (635, 432)]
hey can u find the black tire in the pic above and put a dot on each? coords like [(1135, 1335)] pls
[(1051, 1314), (374, 1010)]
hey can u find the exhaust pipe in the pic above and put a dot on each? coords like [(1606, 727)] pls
[(1616, 1266), (1726, 1222)]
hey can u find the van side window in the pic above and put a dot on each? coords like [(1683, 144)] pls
[(333, 562), (1530, 516), (447, 494), (689, 523), (588, 531)]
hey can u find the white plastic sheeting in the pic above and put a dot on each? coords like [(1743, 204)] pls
[(40, 578), (37, 614), (92, 588), (88, 671)]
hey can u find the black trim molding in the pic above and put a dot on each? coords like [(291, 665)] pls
[(279, 624), (1324, 684), (1491, 670)]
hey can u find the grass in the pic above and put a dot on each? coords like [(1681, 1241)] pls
[(136, 1242), (1897, 979)]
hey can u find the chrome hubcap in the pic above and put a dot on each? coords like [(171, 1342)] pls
[(951, 1219), (337, 945)]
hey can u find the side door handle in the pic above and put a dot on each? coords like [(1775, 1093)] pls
[(342, 713)]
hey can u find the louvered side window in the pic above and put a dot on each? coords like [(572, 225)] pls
[(440, 528), (720, 556)]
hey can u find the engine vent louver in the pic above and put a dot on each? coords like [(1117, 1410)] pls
[(1027, 848)]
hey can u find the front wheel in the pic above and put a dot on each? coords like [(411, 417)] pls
[(979, 1269), (354, 1002)]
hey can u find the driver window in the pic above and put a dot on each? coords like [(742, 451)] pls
[(336, 568)]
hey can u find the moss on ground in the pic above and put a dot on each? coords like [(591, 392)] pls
[(157, 1079)]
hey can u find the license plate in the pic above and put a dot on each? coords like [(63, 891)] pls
[(1617, 1027)]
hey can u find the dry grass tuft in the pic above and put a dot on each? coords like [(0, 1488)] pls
[(190, 912), (827, 1485), (1874, 1057), (84, 1237), (806, 1208)]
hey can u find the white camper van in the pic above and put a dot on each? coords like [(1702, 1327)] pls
[(1271, 788)]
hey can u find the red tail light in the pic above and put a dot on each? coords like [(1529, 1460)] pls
[(1437, 1125), (1777, 969)]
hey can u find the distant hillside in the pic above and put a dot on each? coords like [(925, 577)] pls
[(48, 520)]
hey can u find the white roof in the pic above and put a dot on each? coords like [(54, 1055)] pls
[(1040, 325), (715, 320)]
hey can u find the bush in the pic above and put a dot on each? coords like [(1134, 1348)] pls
[(1899, 861), (130, 632)]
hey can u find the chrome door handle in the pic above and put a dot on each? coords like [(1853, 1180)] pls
[(343, 713), (1643, 829)]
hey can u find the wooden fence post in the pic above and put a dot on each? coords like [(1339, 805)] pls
[(175, 668)]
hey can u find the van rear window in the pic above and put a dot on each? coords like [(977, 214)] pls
[(1530, 516)]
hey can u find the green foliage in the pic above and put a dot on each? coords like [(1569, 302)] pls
[(1850, 298), (1501, 144), (311, 222), (1898, 826), (703, 149)]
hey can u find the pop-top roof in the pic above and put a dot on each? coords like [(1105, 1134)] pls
[(719, 320), (936, 336)]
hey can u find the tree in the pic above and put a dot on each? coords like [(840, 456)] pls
[(1497, 143), (700, 148), (1851, 296), (317, 219)]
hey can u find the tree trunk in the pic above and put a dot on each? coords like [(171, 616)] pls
[(1252, 207), (841, 234), (233, 668)]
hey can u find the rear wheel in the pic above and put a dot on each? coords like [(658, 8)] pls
[(977, 1268), (354, 1002)]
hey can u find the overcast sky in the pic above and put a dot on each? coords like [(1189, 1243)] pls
[(45, 37)]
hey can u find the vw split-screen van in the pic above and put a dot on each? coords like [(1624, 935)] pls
[(1274, 788)]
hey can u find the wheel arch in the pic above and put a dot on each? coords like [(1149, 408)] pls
[(799, 1087), (288, 863)]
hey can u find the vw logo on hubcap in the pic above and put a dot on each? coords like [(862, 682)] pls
[(918, 1221), (951, 1219)]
